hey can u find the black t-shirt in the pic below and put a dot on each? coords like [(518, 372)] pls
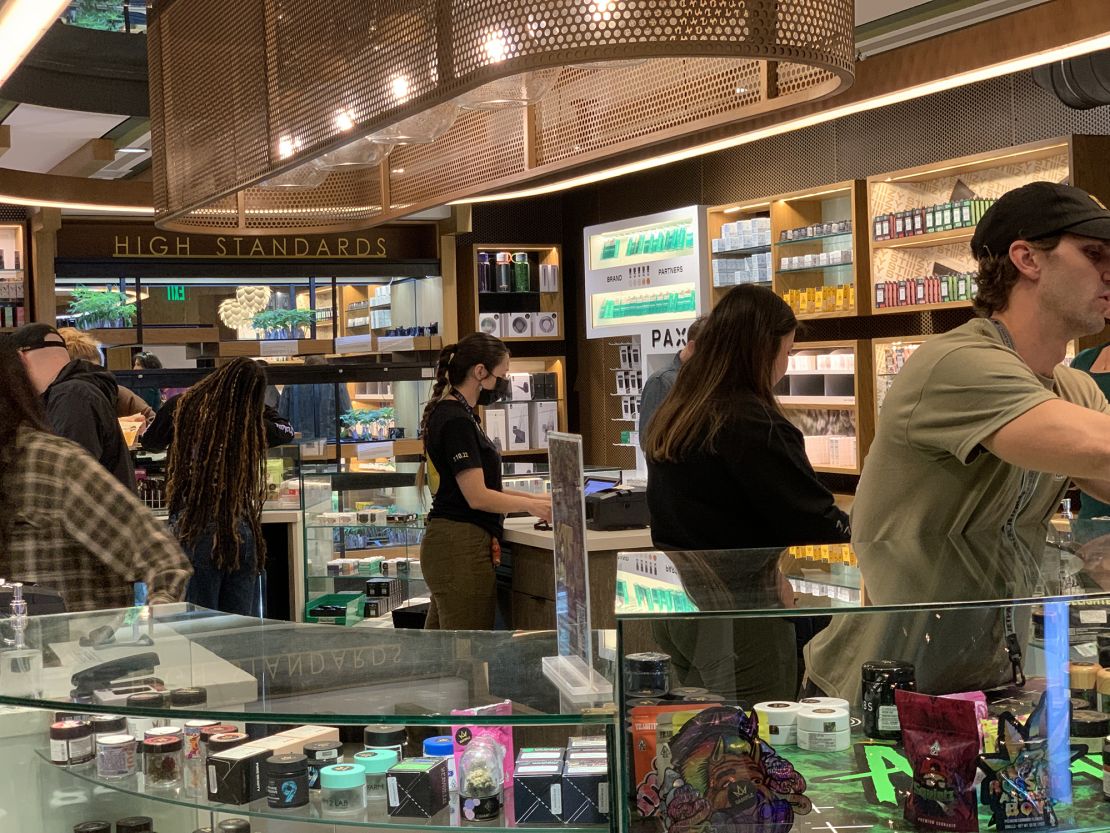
[(455, 442), (757, 489)]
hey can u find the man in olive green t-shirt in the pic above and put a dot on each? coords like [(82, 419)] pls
[(984, 426)]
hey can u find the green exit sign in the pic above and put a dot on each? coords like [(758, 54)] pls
[(175, 293)]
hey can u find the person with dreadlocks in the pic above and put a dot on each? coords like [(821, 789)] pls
[(217, 433), (65, 521), (461, 539)]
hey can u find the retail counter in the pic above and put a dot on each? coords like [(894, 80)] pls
[(531, 554)]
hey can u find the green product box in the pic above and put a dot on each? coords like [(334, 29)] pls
[(930, 219), (417, 787), (965, 213), (946, 217), (352, 602)]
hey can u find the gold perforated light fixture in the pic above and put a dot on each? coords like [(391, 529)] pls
[(282, 115)]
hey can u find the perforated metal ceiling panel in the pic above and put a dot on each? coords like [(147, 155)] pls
[(245, 92)]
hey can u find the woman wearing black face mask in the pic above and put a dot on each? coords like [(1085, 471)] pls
[(460, 547)]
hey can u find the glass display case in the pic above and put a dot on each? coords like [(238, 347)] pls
[(232, 706), (13, 277), (362, 533), (376, 315), (945, 684)]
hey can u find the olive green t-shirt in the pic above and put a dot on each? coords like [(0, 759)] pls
[(927, 472)]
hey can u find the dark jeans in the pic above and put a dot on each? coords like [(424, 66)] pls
[(234, 591)]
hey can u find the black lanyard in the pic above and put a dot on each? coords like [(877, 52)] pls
[(465, 404)]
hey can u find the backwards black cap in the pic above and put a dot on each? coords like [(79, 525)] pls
[(1037, 210)]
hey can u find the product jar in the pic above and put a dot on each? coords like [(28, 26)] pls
[(778, 722), (165, 732), (343, 789), (1084, 681), (504, 272), (209, 732), (93, 827), (189, 698), (137, 726), (193, 729), (321, 754), (219, 743), (443, 746), (377, 763), (647, 674), (384, 736), (108, 724), (522, 272), (824, 729), (115, 756), (481, 777), (71, 743), (163, 760), (135, 824), (1103, 695), (287, 781), (233, 826), (880, 679)]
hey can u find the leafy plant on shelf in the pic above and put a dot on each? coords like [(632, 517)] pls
[(366, 424), (98, 308), (284, 323)]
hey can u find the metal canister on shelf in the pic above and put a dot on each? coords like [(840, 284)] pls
[(522, 272), (880, 679), (504, 272), (485, 273)]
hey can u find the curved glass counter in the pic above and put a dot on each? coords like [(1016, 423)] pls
[(719, 650), (264, 678)]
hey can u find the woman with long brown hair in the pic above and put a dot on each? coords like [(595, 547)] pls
[(217, 433), (65, 521), (726, 468), (461, 542)]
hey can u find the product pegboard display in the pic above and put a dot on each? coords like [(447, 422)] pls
[(193, 720), (909, 717), (827, 393)]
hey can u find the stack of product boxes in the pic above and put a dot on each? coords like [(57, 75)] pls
[(836, 298), (818, 260), (943, 217), (933, 289), (382, 595), (531, 414), (552, 785), (752, 267)]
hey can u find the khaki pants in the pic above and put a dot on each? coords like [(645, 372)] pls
[(455, 559)]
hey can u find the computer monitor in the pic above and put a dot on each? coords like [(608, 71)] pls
[(595, 483)]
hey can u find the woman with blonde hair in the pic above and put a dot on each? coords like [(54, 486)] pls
[(461, 542), (80, 345)]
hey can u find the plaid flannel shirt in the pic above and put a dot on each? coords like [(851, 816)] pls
[(79, 531)]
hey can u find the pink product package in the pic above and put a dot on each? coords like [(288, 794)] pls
[(464, 734), (981, 711)]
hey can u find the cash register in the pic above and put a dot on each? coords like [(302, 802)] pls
[(611, 506)]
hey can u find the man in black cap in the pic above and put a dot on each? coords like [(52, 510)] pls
[(80, 397), (984, 425)]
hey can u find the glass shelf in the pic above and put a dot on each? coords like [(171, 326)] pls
[(816, 268), (750, 250), (376, 815), (798, 240)]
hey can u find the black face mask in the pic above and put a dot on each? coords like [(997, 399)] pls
[(500, 391)]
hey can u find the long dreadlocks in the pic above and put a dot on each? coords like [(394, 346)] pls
[(215, 471)]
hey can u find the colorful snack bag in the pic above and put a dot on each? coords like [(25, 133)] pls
[(941, 739)]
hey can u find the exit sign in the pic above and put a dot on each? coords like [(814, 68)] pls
[(175, 293)]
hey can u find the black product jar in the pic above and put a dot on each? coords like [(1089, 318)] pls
[(234, 826), (320, 754), (135, 824), (185, 698), (881, 677), (385, 736), (93, 827), (287, 781), (647, 674)]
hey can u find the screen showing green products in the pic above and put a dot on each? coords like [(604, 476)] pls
[(646, 305), (617, 248)]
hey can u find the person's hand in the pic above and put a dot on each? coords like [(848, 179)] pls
[(540, 506)]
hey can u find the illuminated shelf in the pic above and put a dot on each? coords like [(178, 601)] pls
[(921, 307), (837, 402), (925, 241)]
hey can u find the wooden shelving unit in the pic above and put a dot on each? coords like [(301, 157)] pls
[(888, 357), (832, 399), (473, 302), (277, 347), (545, 364)]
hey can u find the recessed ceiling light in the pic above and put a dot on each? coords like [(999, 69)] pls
[(132, 150)]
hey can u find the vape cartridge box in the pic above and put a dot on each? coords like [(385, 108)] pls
[(417, 787), (537, 791), (235, 775), (517, 325), (532, 754), (545, 324), (490, 323), (497, 427), (585, 792), (544, 418), (518, 426), (587, 743), (522, 387)]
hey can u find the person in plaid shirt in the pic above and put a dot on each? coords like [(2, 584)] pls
[(65, 522)]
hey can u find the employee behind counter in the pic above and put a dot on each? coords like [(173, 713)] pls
[(461, 545)]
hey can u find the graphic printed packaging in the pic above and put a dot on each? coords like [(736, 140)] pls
[(417, 787)]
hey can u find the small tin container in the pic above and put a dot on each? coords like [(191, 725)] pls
[(135, 824), (189, 698)]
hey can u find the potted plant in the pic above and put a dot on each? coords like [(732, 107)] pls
[(284, 323), (98, 308)]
